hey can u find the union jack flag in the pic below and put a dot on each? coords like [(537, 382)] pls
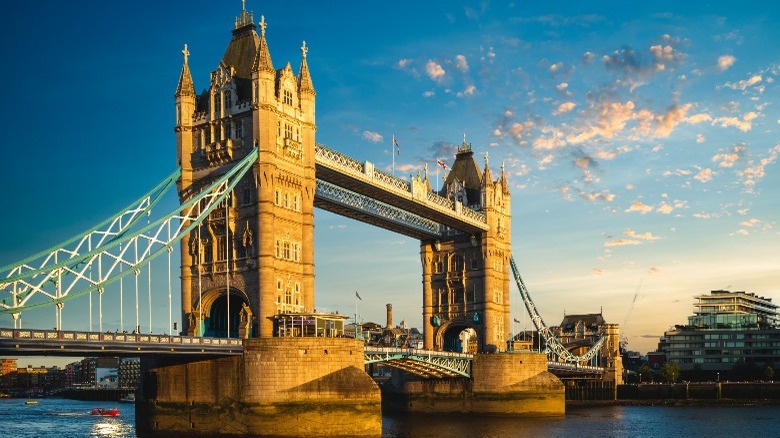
[(441, 163)]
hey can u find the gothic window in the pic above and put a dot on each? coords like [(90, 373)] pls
[(208, 135), (288, 131), (498, 297), (288, 97), (277, 197), (196, 139), (286, 200), (279, 290), (217, 103), (297, 293), (287, 253), (296, 252), (278, 248), (297, 134), (239, 129), (220, 248), (228, 99), (295, 205)]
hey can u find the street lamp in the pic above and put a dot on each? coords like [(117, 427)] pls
[(718, 376)]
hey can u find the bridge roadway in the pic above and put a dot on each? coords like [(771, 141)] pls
[(423, 363), (32, 342)]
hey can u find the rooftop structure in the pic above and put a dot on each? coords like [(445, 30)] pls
[(725, 309), (726, 328)]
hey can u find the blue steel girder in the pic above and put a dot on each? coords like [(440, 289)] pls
[(424, 363), (364, 178), (347, 203)]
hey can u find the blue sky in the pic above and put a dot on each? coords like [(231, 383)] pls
[(641, 142)]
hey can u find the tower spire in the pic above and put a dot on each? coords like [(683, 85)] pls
[(304, 78), (263, 56), (186, 86)]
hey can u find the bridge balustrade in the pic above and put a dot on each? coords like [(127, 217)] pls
[(45, 340), (357, 169)]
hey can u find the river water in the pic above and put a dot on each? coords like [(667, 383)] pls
[(59, 418)]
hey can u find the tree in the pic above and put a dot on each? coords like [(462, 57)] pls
[(670, 372), (769, 372), (645, 373)]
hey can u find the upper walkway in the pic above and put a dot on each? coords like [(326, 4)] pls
[(359, 190)]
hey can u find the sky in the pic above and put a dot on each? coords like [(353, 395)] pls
[(641, 143)]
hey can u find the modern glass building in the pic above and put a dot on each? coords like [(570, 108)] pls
[(726, 328)]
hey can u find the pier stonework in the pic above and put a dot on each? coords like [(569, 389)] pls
[(505, 384), (279, 387)]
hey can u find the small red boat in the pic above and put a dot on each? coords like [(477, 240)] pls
[(105, 412)]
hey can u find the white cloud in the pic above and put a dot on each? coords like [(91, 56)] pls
[(562, 86), (704, 175), (565, 107), (434, 70), (373, 137), (621, 242), (640, 236), (729, 158), (640, 207), (461, 63), (725, 61)]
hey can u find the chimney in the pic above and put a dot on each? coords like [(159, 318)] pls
[(389, 315)]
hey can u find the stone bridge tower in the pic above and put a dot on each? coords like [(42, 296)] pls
[(466, 277), (253, 257)]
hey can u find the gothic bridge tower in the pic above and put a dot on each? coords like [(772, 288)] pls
[(466, 277), (253, 257)]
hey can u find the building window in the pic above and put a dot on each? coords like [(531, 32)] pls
[(295, 205), (217, 103), (288, 131), (239, 128), (228, 99), (208, 135), (288, 97)]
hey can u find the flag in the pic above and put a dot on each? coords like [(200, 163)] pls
[(358, 296), (441, 163), (395, 143)]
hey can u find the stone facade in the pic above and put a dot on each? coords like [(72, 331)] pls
[(257, 248), (466, 278)]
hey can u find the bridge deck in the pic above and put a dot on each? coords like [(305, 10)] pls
[(29, 342)]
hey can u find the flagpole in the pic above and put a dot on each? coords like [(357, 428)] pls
[(392, 152)]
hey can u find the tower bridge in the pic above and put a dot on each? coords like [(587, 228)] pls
[(249, 177)]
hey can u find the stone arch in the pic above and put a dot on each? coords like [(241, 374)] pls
[(216, 311), (448, 337)]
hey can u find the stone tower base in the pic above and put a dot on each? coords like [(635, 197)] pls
[(511, 384), (279, 387)]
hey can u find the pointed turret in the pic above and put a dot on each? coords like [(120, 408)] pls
[(185, 107), (263, 56), (487, 177), (186, 87), (503, 181), (304, 79)]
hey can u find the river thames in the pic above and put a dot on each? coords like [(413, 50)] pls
[(60, 418)]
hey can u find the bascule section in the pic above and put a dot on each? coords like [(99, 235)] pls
[(252, 258), (466, 275)]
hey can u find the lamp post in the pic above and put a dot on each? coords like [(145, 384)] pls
[(718, 376)]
